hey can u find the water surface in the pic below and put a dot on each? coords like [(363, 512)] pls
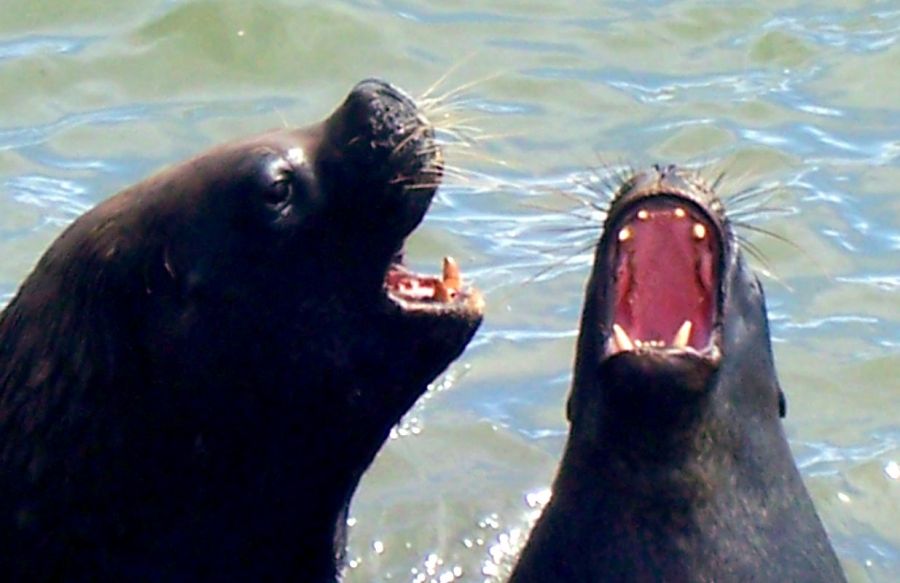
[(799, 96)]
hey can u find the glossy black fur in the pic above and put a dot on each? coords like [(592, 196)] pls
[(198, 371), (678, 472)]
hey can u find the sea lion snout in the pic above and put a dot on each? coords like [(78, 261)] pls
[(378, 136), (383, 124)]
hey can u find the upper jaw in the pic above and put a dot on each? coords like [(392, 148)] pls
[(664, 251), (384, 136), (380, 162)]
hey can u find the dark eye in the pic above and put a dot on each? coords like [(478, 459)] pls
[(280, 191)]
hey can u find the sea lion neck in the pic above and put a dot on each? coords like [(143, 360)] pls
[(676, 446)]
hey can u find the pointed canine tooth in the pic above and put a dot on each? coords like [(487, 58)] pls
[(622, 338), (612, 347), (699, 231), (441, 292), (625, 234), (683, 335), (450, 275)]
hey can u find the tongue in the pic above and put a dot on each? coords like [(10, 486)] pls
[(665, 275)]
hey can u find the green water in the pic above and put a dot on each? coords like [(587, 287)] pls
[(96, 94)]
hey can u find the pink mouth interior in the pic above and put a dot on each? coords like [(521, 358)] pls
[(411, 286), (666, 270), (415, 287)]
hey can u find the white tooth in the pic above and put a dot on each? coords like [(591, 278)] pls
[(442, 293), (450, 274), (638, 343), (643, 214), (622, 338), (683, 335), (699, 231), (612, 347)]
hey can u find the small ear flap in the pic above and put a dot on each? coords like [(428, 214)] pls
[(782, 404)]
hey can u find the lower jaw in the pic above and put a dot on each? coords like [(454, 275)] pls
[(659, 371)]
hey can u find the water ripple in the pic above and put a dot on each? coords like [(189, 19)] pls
[(36, 45), (62, 200)]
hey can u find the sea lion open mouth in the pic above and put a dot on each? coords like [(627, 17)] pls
[(664, 247), (666, 276), (428, 292)]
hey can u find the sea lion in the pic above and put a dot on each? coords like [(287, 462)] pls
[(198, 370), (676, 466)]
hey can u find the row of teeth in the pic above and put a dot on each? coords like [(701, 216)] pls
[(622, 342), (441, 289), (698, 230)]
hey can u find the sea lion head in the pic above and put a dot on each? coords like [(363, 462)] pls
[(233, 337), (676, 466), (674, 324), (279, 258)]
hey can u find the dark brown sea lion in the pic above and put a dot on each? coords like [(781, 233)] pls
[(199, 370), (676, 468)]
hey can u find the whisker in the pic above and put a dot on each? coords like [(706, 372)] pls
[(717, 181), (439, 111), (453, 68), (429, 150), (561, 262), (462, 172), (459, 90), (786, 241), (423, 186), (765, 267), (413, 135), (750, 214), (497, 136), (567, 213), (767, 232), (570, 230), (611, 181), (284, 121), (481, 156), (752, 192), (582, 200), (461, 123), (432, 171)]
